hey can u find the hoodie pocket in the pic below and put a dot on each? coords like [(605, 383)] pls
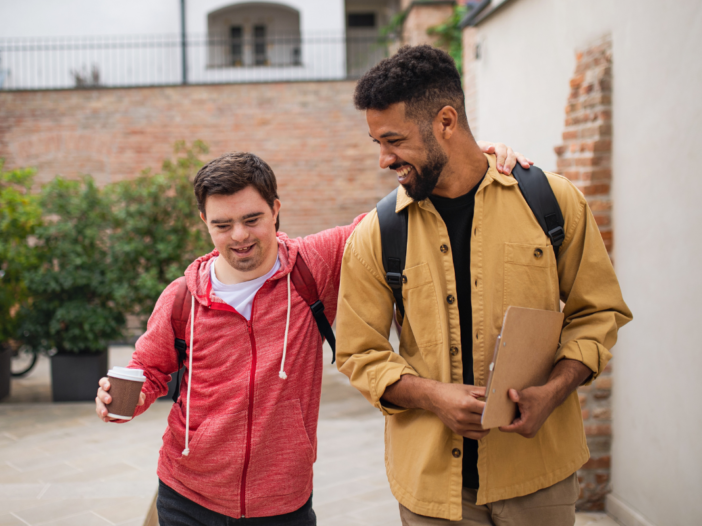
[(282, 454), (216, 455)]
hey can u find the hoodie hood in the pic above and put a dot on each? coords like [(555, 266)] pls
[(197, 275)]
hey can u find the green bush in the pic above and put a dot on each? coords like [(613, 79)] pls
[(102, 254), (20, 214), (157, 231), (72, 291), (451, 35)]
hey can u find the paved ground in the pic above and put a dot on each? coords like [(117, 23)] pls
[(61, 466)]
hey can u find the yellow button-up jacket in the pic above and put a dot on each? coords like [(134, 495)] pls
[(512, 263)]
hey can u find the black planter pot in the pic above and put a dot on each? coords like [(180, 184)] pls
[(5, 362), (75, 376)]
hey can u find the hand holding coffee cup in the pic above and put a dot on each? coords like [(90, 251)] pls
[(120, 394)]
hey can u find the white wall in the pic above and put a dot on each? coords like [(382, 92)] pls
[(326, 16), (49, 18), (43, 18), (527, 55), (527, 60), (657, 191)]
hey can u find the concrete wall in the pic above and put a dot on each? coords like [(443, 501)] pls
[(310, 134), (657, 450), (527, 56)]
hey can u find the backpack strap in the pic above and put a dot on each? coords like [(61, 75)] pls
[(179, 321), (539, 195), (306, 287), (393, 238)]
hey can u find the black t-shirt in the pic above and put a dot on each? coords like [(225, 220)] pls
[(458, 216)]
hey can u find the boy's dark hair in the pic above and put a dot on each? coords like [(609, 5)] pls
[(231, 173), (423, 77)]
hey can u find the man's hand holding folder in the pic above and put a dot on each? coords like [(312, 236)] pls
[(535, 404)]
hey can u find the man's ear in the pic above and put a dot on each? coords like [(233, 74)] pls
[(448, 121), (202, 216)]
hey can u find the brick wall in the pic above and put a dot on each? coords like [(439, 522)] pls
[(310, 134), (585, 157), (421, 16)]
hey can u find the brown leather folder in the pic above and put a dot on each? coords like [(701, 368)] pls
[(524, 355)]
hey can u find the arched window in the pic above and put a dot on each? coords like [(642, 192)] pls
[(254, 34)]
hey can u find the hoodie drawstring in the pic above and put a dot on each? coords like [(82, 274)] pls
[(285, 341), (186, 451)]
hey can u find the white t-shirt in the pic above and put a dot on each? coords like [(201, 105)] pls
[(240, 296)]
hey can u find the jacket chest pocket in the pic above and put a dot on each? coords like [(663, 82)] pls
[(530, 277), (421, 308)]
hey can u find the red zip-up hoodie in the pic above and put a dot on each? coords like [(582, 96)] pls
[(252, 434)]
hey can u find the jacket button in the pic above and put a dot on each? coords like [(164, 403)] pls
[(538, 253), (404, 279), (444, 248), (456, 453), (454, 351), (450, 299)]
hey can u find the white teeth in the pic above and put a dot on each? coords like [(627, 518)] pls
[(404, 171)]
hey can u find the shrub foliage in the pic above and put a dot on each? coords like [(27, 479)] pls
[(100, 254)]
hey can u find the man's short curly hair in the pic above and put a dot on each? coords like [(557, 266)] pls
[(423, 77)]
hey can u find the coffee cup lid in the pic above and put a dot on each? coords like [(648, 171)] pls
[(136, 375)]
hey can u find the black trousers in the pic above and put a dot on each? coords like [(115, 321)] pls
[(176, 510)]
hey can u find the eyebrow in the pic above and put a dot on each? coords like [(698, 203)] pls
[(228, 221)]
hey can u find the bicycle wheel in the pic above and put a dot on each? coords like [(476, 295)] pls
[(23, 361)]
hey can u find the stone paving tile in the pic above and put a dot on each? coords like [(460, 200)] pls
[(7, 519), (82, 519)]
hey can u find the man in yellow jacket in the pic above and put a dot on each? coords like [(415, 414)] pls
[(474, 248)]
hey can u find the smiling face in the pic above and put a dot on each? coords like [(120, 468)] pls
[(408, 148), (242, 227)]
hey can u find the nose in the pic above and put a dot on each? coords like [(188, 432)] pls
[(239, 232), (386, 158)]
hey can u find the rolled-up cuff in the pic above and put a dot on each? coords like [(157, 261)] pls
[(591, 354), (389, 374)]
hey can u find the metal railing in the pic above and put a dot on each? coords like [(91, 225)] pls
[(157, 60)]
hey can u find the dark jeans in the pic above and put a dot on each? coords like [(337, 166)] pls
[(176, 510)]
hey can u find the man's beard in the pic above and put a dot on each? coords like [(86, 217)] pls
[(427, 176), (245, 264)]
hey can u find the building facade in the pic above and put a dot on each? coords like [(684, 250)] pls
[(97, 43)]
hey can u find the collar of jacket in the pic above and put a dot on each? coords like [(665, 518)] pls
[(403, 200)]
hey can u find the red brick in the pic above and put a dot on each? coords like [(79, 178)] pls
[(586, 414), (598, 463), (115, 133), (602, 413), (602, 478), (604, 383)]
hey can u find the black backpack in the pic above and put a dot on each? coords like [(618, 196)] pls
[(537, 193)]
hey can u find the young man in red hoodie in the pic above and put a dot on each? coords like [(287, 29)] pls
[(251, 392)]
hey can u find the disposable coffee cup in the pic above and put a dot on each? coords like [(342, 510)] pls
[(125, 387)]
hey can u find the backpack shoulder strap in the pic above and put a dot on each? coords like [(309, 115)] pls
[(539, 196), (179, 321), (393, 238), (306, 287)]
